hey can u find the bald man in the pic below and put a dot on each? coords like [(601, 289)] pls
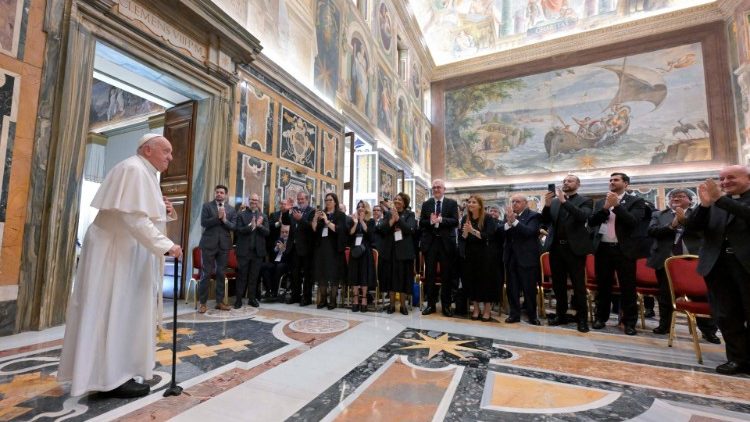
[(725, 259)]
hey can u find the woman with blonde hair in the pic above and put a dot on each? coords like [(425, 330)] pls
[(476, 230)]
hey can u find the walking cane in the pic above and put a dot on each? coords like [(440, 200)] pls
[(174, 389)]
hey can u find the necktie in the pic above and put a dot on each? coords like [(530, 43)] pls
[(438, 208), (677, 246)]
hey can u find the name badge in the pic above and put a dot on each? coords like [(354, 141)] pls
[(398, 235), (358, 240), (325, 232)]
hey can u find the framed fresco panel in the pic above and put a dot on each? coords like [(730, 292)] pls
[(111, 105), (298, 139), (253, 176), (649, 107), (256, 118), (290, 183), (388, 181)]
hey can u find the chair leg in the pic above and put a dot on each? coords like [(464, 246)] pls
[(421, 295), (694, 331), (641, 310), (540, 301), (226, 291), (590, 304), (377, 296), (671, 328)]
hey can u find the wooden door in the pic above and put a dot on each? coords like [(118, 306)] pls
[(176, 182)]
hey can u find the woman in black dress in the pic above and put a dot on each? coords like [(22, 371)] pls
[(397, 251), (329, 226), (476, 229), (361, 264)]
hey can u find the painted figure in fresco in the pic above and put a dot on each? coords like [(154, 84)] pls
[(359, 71), (327, 60), (403, 137), (384, 105), (386, 28), (534, 13)]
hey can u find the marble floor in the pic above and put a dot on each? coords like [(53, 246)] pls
[(286, 362)]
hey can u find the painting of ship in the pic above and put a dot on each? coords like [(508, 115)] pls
[(636, 83)]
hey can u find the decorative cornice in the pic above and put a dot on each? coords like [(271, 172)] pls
[(415, 37), (626, 31), (728, 7)]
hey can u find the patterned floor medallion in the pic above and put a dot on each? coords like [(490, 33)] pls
[(319, 325)]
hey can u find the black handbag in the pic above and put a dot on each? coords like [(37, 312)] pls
[(357, 251)]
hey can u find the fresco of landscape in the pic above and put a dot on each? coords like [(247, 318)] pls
[(461, 29), (637, 110)]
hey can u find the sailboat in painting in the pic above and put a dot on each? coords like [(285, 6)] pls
[(636, 83)]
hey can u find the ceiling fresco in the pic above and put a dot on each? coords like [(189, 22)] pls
[(456, 30)]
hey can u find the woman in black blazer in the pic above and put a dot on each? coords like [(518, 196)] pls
[(397, 251), (329, 226), (361, 264), (476, 229)]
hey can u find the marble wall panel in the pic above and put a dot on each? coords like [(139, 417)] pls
[(329, 153), (10, 88), (298, 139), (256, 118), (13, 23), (253, 176), (290, 183)]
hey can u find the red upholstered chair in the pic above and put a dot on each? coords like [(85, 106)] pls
[(545, 283), (646, 284), (229, 273), (685, 286)]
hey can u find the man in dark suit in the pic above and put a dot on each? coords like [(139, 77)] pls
[(278, 264), (725, 260), (670, 237), (615, 221), (438, 221), (252, 231), (217, 221), (521, 256), (568, 242), (302, 236), (277, 219)]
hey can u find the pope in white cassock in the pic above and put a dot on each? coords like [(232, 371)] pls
[(112, 312)]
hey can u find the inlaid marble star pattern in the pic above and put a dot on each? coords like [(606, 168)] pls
[(440, 344)]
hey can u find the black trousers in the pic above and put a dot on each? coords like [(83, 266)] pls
[(522, 279), (706, 325), (565, 263), (270, 273), (302, 268), (437, 253), (212, 261), (729, 287), (247, 277), (608, 260)]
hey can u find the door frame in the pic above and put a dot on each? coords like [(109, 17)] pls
[(73, 29)]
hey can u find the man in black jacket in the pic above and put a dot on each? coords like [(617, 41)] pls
[(217, 220), (277, 265), (438, 221), (302, 236), (615, 221), (521, 257), (252, 231), (568, 242), (725, 260), (671, 237)]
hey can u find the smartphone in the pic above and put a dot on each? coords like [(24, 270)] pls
[(551, 188)]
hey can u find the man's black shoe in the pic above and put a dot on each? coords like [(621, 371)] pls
[(534, 322), (404, 311), (292, 300), (447, 312), (428, 310), (630, 330), (583, 326), (730, 368), (331, 306), (711, 338), (649, 313), (598, 325), (321, 305), (237, 305), (355, 307), (305, 302), (128, 390), (512, 320), (254, 303), (662, 329), (555, 320)]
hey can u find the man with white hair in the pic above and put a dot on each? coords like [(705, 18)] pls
[(112, 312)]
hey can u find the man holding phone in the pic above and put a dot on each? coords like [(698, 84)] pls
[(568, 242)]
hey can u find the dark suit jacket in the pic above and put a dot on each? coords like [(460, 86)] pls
[(727, 219), (628, 215), (286, 256), (273, 231), (579, 209), (216, 233), (522, 241), (487, 233), (301, 234), (403, 249), (446, 231), (251, 243), (663, 235), (342, 233)]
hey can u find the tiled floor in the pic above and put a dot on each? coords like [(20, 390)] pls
[(284, 362)]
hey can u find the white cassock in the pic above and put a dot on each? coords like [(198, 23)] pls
[(112, 312)]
